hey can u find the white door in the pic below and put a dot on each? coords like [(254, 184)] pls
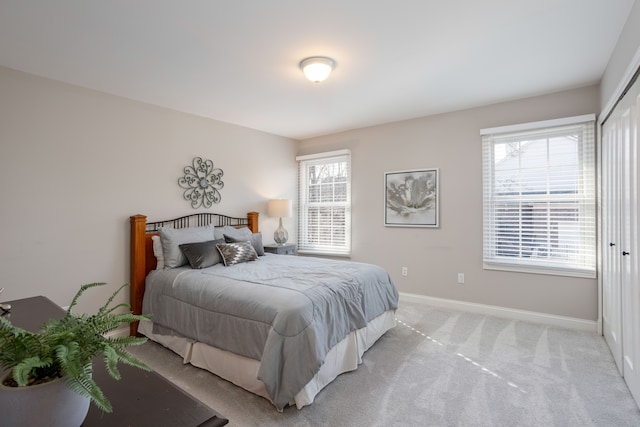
[(620, 247), (630, 248), (610, 210)]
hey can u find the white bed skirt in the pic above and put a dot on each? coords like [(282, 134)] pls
[(243, 371)]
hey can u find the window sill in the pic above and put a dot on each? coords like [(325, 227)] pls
[(324, 253), (520, 268)]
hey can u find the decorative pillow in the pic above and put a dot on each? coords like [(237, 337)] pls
[(171, 238), (157, 252), (255, 239), (235, 253), (239, 233), (202, 254)]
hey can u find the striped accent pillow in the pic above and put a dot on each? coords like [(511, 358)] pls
[(235, 253)]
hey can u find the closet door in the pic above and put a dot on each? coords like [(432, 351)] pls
[(620, 248), (610, 222), (630, 253)]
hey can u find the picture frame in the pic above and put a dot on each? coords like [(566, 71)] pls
[(412, 198)]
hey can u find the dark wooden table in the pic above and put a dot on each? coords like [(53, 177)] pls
[(139, 399)]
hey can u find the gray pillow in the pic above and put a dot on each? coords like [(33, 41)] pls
[(231, 231), (202, 254), (171, 238), (254, 239), (235, 253)]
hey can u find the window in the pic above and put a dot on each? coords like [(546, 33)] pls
[(539, 197), (324, 223)]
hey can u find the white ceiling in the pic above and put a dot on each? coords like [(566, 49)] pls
[(237, 61)]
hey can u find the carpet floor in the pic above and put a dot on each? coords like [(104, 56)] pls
[(442, 368)]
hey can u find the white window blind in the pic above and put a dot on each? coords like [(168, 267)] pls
[(539, 197), (324, 223)]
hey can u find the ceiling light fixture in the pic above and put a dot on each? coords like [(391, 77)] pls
[(317, 68)]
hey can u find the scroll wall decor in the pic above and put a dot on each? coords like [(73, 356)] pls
[(201, 183)]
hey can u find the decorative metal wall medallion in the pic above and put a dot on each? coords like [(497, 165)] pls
[(201, 183)]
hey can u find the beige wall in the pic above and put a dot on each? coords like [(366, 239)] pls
[(75, 164), (452, 143)]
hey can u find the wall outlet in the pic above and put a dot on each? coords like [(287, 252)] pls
[(460, 277), (405, 271)]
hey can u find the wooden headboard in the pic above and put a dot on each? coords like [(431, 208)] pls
[(142, 258)]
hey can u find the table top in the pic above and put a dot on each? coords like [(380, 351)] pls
[(139, 398)]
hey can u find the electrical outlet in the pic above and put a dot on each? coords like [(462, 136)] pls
[(460, 277), (405, 271)]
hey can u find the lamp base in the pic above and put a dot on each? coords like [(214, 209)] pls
[(280, 236)]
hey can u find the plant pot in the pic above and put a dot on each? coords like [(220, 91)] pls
[(49, 404)]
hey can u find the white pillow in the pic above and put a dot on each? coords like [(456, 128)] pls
[(157, 252), (172, 238)]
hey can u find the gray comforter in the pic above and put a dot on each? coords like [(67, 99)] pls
[(285, 311)]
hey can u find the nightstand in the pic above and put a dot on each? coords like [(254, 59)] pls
[(286, 249)]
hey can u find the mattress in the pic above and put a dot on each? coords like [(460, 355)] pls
[(285, 313), (242, 371)]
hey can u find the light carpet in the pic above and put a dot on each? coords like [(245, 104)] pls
[(442, 368)]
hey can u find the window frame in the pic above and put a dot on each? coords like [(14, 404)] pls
[(305, 245), (581, 203)]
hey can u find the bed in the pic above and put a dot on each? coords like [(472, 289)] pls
[(282, 327)]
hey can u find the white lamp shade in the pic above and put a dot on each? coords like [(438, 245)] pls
[(282, 208), (317, 68)]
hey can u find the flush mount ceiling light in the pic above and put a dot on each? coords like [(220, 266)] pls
[(317, 68)]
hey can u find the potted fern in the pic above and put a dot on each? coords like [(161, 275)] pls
[(58, 360)]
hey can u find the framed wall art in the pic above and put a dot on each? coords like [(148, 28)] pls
[(412, 198)]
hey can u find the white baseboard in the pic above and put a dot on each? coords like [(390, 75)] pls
[(508, 313)]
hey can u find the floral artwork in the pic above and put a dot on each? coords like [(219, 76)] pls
[(412, 198), (202, 183)]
